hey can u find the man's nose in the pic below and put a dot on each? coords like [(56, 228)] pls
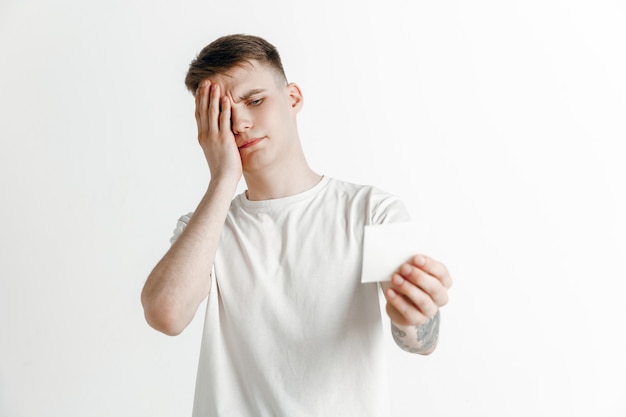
[(241, 120)]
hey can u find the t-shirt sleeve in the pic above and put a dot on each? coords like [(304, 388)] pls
[(387, 208), (180, 226)]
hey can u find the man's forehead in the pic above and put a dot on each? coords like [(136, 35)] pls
[(246, 72), (247, 76)]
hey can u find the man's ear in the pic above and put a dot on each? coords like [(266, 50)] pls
[(296, 100)]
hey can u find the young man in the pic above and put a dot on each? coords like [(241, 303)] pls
[(289, 330)]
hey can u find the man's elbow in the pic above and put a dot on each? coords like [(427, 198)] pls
[(163, 318), (164, 324)]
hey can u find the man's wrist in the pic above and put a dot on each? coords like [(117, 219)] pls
[(420, 339)]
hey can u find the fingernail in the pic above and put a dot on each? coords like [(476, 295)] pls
[(405, 269), (419, 260)]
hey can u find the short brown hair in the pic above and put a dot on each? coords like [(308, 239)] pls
[(228, 52)]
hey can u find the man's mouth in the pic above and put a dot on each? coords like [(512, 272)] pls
[(250, 142)]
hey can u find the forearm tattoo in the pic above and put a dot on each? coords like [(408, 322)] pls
[(422, 340)]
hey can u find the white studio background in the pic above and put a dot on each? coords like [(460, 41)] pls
[(501, 124)]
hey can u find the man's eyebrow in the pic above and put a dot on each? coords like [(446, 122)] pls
[(250, 93)]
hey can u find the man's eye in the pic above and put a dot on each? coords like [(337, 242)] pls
[(255, 102)]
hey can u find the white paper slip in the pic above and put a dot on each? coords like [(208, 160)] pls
[(386, 247)]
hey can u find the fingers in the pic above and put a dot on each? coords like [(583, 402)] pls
[(215, 135), (429, 284), (417, 290), (402, 311), (212, 111), (214, 108), (420, 298), (433, 268), (202, 101), (225, 122)]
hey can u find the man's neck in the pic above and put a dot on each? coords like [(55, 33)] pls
[(277, 182)]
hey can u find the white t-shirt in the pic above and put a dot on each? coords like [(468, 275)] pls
[(289, 328)]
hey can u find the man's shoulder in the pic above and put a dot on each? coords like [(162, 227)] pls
[(352, 188), (380, 206)]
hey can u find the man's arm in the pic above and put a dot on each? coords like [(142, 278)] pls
[(182, 278), (414, 296)]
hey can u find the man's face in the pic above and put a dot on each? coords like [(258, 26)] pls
[(263, 114)]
